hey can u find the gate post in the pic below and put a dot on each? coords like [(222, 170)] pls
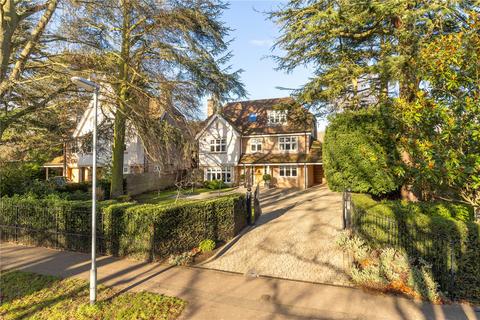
[(249, 205)]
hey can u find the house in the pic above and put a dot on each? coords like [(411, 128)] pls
[(77, 161), (247, 139)]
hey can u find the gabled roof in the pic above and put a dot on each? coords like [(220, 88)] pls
[(210, 120), (238, 114)]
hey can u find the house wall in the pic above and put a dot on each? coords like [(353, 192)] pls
[(270, 144), (311, 178), (219, 129)]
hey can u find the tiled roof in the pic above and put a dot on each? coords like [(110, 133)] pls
[(237, 113), (315, 156)]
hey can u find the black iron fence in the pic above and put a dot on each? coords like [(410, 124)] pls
[(53, 227), (440, 251)]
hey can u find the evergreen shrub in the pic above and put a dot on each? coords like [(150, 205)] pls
[(359, 154)]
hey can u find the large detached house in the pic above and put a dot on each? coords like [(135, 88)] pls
[(77, 162), (247, 139)]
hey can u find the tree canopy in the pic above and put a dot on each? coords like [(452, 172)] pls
[(348, 41)]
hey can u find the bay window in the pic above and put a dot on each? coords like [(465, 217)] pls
[(219, 173)]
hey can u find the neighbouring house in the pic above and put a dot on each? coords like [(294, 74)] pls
[(247, 139), (77, 161)]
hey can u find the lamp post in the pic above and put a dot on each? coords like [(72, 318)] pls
[(92, 87)]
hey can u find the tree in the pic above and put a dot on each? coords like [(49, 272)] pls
[(349, 41), (152, 44), (359, 154), (441, 126), (23, 86)]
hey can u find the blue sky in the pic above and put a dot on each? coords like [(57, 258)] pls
[(254, 36)]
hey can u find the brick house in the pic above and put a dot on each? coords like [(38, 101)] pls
[(247, 139)]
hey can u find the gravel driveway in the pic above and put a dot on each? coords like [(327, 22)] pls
[(294, 238)]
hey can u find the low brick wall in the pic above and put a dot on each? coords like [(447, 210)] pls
[(149, 181)]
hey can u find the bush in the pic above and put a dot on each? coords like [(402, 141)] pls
[(154, 232), (207, 245), (267, 177), (389, 270), (151, 232), (20, 178), (359, 154), (433, 231), (215, 184), (182, 259)]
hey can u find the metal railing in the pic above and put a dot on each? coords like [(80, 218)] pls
[(440, 251), (52, 227)]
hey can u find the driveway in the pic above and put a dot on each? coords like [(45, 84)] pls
[(295, 238)]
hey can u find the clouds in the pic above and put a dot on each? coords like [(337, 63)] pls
[(261, 42)]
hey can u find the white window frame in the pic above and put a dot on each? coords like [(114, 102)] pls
[(277, 117), (218, 145), (256, 144), (219, 173), (125, 170), (288, 171), (288, 143)]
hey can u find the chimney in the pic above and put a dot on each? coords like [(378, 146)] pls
[(212, 107)]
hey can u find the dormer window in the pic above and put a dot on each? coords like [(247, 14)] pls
[(276, 117), (256, 145), (218, 145)]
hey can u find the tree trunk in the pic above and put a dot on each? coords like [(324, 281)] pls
[(37, 32), (8, 23), (116, 187)]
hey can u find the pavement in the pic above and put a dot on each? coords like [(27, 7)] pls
[(294, 238), (213, 295)]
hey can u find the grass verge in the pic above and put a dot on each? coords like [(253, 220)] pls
[(26, 295), (168, 196)]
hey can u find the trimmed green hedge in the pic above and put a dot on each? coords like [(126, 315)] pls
[(153, 232), (150, 232), (436, 232), (359, 154)]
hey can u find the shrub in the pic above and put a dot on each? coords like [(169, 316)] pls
[(267, 177), (183, 259), (20, 178), (215, 184), (390, 270), (206, 245), (359, 154), (433, 231), (154, 232)]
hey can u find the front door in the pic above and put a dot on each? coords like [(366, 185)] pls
[(258, 175)]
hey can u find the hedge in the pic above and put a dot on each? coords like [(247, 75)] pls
[(435, 231), (359, 154), (147, 232), (153, 232), (49, 222)]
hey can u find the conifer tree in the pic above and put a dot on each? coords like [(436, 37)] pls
[(347, 40), (149, 43)]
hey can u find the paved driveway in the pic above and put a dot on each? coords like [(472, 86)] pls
[(295, 238)]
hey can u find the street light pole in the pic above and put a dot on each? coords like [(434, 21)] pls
[(92, 86)]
